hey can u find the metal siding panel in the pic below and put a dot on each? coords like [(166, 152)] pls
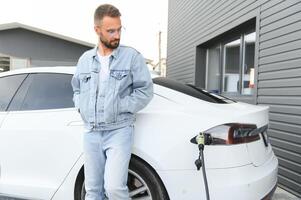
[(296, 177), (282, 39), (290, 55), (295, 148), (285, 73), (285, 32), (179, 18), (270, 4), (195, 14), (290, 128), (281, 117), (182, 60), (190, 14), (236, 12), (288, 155), (279, 91), (284, 136), (280, 11), (183, 80), (211, 14), (289, 82), (290, 64), (279, 100), (183, 67), (280, 23), (188, 66), (286, 47), (290, 165), (182, 71), (288, 160), (181, 77)]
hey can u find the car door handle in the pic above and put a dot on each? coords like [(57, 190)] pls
[(76, 123)]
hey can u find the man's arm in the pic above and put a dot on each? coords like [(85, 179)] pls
[(142, 87), (75, 82)]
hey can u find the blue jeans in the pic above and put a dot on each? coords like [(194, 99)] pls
[(107, 156)]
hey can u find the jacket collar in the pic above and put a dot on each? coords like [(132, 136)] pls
[(114, 53)]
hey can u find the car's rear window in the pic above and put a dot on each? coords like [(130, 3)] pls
[(191, 90)]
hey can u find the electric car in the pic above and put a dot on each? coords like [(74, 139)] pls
[(41, 152)]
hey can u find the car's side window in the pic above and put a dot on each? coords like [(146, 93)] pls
[(8, 87), (48, 91)]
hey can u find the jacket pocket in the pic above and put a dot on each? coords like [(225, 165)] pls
[(119, 74), (85, 82)]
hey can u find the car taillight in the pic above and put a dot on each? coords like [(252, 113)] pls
[(233, 133)]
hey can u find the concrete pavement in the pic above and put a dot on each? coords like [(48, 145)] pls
[(281, 194)]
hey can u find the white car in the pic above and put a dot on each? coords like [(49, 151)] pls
[(41, 153)]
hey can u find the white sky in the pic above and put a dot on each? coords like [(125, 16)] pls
[(143, 19)]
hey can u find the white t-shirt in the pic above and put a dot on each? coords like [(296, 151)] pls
[(104, 70)]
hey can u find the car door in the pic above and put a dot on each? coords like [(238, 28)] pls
[(8, 88), (38, 140)]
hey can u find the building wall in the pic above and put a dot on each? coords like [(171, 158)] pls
[(277, 63), (41, 50)]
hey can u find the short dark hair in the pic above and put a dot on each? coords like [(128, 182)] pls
[(105, 10)]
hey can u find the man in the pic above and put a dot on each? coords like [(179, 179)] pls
[(110, 85)]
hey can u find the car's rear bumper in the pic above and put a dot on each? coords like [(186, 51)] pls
[(246, 182)]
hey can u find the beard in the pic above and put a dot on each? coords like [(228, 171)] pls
[(109, 44)]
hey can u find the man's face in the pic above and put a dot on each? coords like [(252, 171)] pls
[(109, 31)]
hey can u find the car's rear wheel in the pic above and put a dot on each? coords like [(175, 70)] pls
[(143, 183)]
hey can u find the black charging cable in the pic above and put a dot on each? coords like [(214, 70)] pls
[(201, 140)]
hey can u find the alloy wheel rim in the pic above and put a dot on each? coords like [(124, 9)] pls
[(138, 189)]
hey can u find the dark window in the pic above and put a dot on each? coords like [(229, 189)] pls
[(8, 87), (4, 63), (227, 61), (191, 90), (17, 101), (48, 91)]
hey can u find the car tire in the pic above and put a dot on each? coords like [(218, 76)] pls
[(139, 169), (143, 182)]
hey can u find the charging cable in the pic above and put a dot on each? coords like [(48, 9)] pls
[(201, 139)]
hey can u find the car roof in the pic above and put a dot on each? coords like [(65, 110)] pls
[(54, 69)]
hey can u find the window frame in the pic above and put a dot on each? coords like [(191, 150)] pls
[(244, 24), (23, 96), (16, 91), (222, 59)]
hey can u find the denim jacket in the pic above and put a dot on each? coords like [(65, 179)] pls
[(129, 88)]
